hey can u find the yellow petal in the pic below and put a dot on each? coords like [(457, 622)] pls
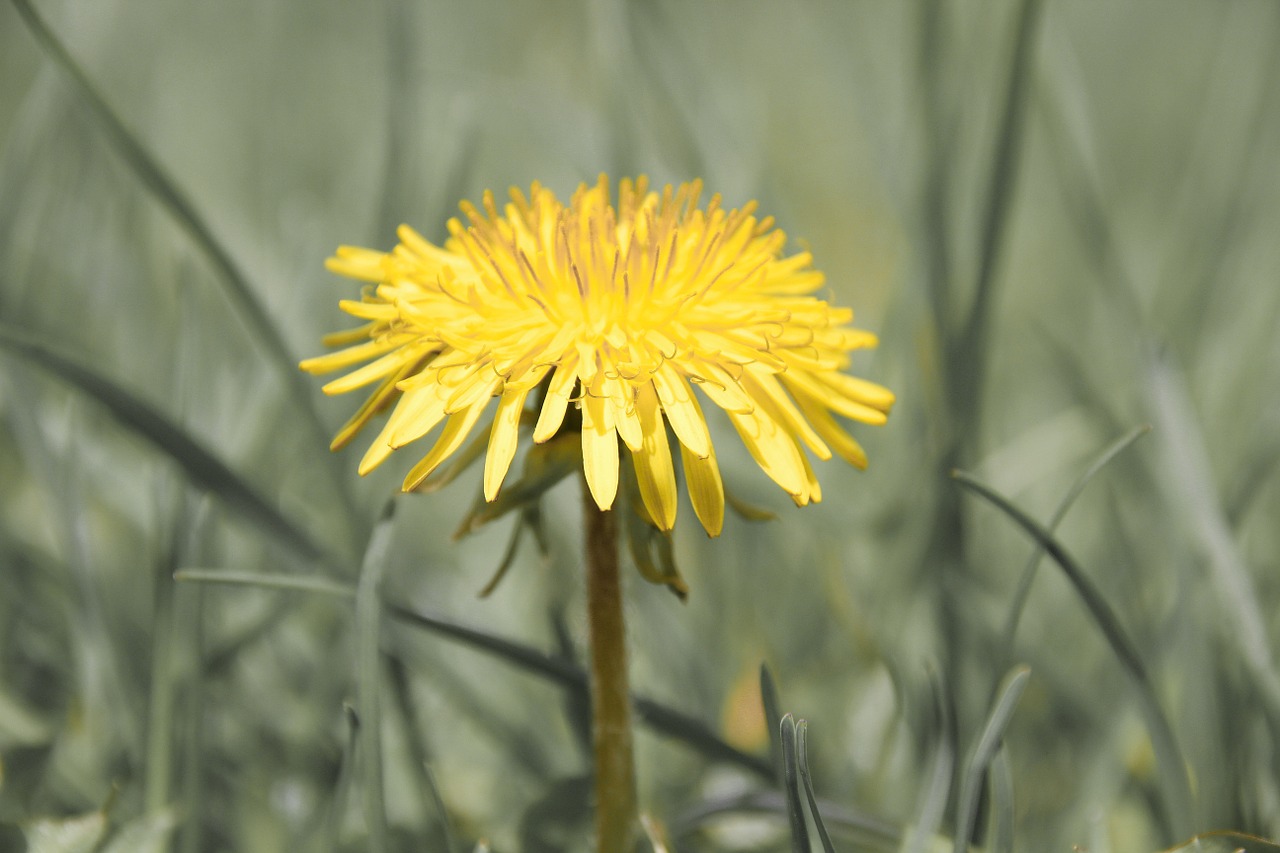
[(804, 382), (376, 402), (375, 370), (860, 390), (706, 491), (845, 445), (357, 263), (451, 437), (502, 440), (773, 397), (557, 400), (773, 450), (654, 471), (417, 413), (682, 410), (347, 357), (599, 452)]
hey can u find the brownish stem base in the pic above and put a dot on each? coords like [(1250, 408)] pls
[(616, 819)]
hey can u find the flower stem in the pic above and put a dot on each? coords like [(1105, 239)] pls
[(610, 702)]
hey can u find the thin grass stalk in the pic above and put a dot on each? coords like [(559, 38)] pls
[(369, 680), (1037, 552), (617, 819)]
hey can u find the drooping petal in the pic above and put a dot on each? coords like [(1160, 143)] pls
[(773, 450), (654, 471), (599, 451), (557, 400), (502, 440), (682, 410), (706, 491)]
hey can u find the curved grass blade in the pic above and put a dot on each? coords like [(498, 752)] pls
[(984, 750), (1176, 784), (368, 678), (203, 468), (791, 785), (806, 780), (1033, 561), (163, 188)]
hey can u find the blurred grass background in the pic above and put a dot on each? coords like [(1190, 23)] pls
[(1060, 218)]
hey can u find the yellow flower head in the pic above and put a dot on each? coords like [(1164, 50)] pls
[(622, 310)]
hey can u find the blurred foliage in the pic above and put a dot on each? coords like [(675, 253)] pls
[(1060, 219)]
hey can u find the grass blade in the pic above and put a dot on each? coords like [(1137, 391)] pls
[(772, 719), (791, 785), (984, 750), (1191, 484), (1002, 802), (368, 678), (267, 581), (802, 753), (1177, 786), (1033, 561), (201, 466), (1004, 172), (163, 188)]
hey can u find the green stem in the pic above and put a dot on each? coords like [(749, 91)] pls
[(616, 818)]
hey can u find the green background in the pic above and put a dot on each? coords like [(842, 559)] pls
[(1060, 217)]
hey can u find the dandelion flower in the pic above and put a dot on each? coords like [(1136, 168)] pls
[(636, 313)]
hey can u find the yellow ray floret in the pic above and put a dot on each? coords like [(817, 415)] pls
[(621, 313)]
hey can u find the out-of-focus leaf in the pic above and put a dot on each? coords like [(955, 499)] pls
[(66, 835), (199, 464), (20, 726), (558, 819), (1226, 842), (148, 834)]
